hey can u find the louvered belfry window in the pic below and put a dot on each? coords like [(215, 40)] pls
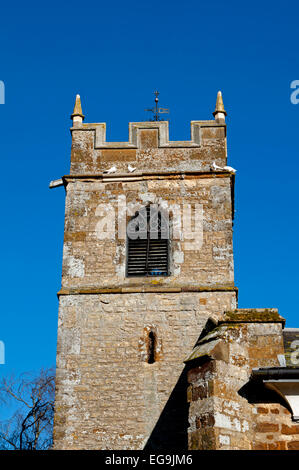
[(148, 243)]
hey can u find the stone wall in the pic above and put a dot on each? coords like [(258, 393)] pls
[(274, 429), (92, 258), (108, 396)]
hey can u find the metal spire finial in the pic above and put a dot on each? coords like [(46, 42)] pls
[(156, 110)]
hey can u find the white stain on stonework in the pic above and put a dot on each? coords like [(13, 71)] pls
[(119, 260), (71, 345), (236, 425), (73, 265), (216, 225), (224, 440), (220, 196), (221, 252), (177, 259), (178, 256), (245, 426), (149, 198), (231, 406), (77, 197), (224, 421), (105, 227)]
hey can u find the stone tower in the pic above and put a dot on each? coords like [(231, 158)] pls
[(130, 312)]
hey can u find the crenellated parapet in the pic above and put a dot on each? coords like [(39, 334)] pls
[(159, 132), (148, 147)]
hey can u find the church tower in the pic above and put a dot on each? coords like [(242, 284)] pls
[(147, 261)]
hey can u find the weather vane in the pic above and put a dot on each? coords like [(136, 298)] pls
[(156, 110)]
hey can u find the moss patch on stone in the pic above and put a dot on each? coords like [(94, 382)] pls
[(267, 315)]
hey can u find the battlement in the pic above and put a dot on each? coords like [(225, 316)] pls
[(155, 133), (148, 147)]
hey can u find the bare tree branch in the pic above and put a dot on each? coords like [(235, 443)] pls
[(30, 427)]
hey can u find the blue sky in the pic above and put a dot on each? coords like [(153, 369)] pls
[(115, 54)]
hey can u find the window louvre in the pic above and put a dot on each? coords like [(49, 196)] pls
[(148, 257)]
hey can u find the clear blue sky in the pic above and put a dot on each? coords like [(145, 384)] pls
[(115, 54)]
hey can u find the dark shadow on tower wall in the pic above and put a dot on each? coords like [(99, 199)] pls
[(171, 430)]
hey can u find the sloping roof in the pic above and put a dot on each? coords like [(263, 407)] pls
[(211, 345)]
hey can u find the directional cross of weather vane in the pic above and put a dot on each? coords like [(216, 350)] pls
[(156, 110)]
